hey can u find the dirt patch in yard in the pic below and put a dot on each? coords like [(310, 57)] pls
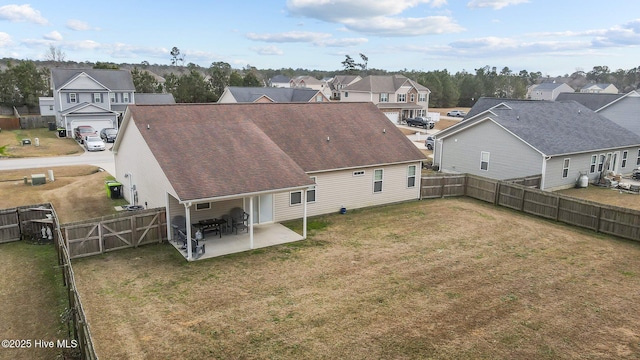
[(475, 281), (49, 144), (77, 193)]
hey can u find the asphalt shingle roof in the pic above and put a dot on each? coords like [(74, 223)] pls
[(383, 83), (552, 127), (281, 95), (216, 150), (114, 80), (593, 101)]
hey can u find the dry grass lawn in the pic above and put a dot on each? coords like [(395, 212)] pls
[(50, 144), (33, 299), (77, 193), (605, 196), (397, 282)]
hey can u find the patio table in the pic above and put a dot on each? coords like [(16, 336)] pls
[(210, 225)]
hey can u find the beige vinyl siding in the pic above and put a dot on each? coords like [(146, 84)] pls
[(360, 97), (217, 209), (149, 179), (340, 188)]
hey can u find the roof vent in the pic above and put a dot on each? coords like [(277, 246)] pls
[(517, 117), (384, 131), (579, 111), (148, 127), (328, 138)]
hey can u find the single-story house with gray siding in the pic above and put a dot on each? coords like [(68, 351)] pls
[(277, 161), (506, 138)]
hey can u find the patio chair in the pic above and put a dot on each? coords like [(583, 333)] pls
[(181, 239), (239, 219), (226, 227), (178, 223)]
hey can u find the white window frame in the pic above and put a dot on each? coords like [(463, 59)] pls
[(422, 97), (483, 155), (299, 202), (125, 98), (601, 160), (411, 177), (625, 154), (565, 167), (73, 98), (381, 180), (594, 162), (318, 98), (314, 191), (359, 173), (384, 97), (97, 98), (412, 97), (112, 97), (402, 97), (203, 206), (638, 159)]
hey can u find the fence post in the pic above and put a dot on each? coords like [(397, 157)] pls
[(598, 218), (558, 207), (134, 233), (496, 198)]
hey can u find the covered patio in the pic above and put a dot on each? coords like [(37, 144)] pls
[(264, 235)]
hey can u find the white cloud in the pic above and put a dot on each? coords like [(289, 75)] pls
[(494, 4), (22, 13), (5, 39), (376, 18), (268, 50), (291, 36), (54, 35), (342, 42), (79, 25)]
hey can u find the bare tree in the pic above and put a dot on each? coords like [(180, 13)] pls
[(54, 54)]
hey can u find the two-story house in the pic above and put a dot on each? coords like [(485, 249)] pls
[(339, 82), (397, 96), (599, 89), (547, 90), (238, 94), (94, 97)]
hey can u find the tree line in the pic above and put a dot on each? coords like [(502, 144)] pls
[(23, 82)]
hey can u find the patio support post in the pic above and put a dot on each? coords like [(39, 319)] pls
[(167, 215), (251, 223), (187, 213), (304, 215)]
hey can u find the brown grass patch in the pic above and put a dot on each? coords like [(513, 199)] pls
[(604, 195), (32, 299), (77, 193), (50, 144), (475, 281)]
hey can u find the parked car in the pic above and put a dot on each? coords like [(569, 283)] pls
[(456, 113), (108, 134), (81, 132), (421, 122), (430, 142), (94, 143)]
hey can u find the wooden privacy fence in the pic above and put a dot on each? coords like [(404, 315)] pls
[(612, 220), (25, 222), (120, 231), (36, 121)]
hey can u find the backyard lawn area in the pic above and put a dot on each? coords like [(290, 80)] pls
[(604, 195), (435, 279), (50, 144)]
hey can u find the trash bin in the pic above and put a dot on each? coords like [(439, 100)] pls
[(52, 126), (114, 189), (62, 132)]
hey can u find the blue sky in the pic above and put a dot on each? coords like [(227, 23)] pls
[(555, 37)]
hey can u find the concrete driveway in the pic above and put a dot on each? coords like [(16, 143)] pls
[(102, 159)]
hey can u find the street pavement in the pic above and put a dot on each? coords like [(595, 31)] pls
[(102, 159)]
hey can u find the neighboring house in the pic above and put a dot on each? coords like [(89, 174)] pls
[(47, 106), (92, 97), (547, 90), (600, 89), (339, 82), (234, 94), (280, 81), (622, 109), (396, 95), (309, 82), (264, 158), (505, 138)]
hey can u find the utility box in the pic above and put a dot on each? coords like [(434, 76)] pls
[(38, 179), (114, 189), (62, 132), (26, 142)]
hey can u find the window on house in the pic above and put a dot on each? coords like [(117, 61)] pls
[(484, 161), (638, 159), (319, 98), (97, 97), (422, 97), (358, 173), (125, 97), (402, 97), (594, 159), (346, 94), (50, 107), (565, 168), (601, 162), (112, 97), (624, 158), (412, 97), (377, 180), (384, 97), (73, 98), (203, 206), (411, 176), (311, 193), (295, 198)]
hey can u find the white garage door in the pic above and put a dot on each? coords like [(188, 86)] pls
[(393, 116), (97, 124)]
